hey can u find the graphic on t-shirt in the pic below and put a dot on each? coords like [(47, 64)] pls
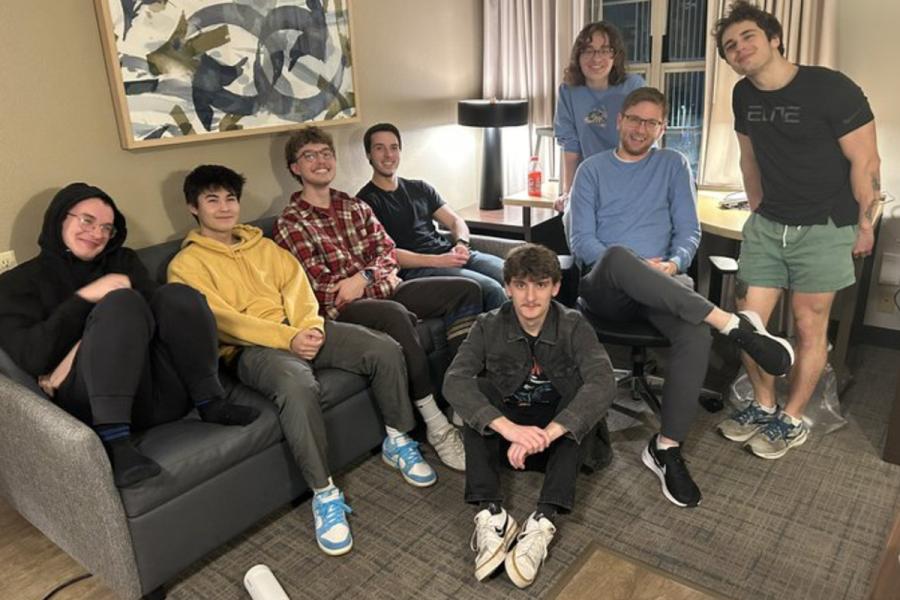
[(536, 389), (757, 113), (598, 116)]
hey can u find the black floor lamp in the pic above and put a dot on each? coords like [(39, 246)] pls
[(491, 115)]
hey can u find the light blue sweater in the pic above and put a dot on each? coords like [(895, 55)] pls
[(586, 119), (649, 206)]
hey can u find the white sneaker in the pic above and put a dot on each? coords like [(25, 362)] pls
[(448, 444), (526, 558), (491, 540)]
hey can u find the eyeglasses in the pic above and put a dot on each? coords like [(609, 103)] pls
[(310, 156), (590, 52), (635, 121), (89, 223)]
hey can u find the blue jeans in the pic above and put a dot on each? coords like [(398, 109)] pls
[(484, 269)]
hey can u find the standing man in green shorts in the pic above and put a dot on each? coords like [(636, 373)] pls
[(811, 173)]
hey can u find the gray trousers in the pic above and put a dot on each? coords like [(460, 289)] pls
[(290, 382), (624, 287)]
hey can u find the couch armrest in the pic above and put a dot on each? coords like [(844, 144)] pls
[(493, 245), (55, 472)]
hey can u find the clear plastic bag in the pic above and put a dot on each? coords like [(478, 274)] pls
[(823, 413)]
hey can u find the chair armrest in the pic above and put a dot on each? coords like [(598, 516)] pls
[(723, 264), (55, 472)]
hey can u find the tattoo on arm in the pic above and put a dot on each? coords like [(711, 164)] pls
[(870, 213), (876, 184), (740, 289)]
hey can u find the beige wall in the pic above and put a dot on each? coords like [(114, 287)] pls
[(414, 60), (866, 54)]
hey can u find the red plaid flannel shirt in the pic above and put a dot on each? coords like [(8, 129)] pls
[(333, 249)]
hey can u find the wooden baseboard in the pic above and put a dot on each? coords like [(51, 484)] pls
[(887, 580)]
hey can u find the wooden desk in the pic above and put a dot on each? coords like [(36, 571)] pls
[(510, 221), (542, 205), (726, 223)]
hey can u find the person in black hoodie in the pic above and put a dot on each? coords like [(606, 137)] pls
[(108, 344)]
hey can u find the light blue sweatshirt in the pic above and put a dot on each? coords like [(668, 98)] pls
[(650, 206), (586, 119)]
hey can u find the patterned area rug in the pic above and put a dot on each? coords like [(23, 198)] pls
[(811, 525)]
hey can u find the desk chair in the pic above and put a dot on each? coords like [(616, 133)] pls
[(639, 336)]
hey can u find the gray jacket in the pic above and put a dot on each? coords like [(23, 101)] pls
[(497, 350)]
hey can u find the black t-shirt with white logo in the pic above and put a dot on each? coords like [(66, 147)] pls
[(536, 390), (795, 132), (407, 214)]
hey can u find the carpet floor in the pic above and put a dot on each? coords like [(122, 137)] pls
[(810, 525)]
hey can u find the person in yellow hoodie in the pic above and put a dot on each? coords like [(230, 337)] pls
[(271, 332)]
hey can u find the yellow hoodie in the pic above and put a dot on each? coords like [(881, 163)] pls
[(257, 291)]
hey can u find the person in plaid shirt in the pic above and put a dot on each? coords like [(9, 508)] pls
[(352, 265)]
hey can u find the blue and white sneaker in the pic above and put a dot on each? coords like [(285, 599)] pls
[(404, 455), (332, 528)]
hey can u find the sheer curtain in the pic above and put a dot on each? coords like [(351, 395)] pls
[(526, 48), (810, 38)]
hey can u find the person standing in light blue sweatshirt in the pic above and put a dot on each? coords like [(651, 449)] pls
[(595, 84), (634, 231)]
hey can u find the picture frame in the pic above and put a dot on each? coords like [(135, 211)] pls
[(198, 70)]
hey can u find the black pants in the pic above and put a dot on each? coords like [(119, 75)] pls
[(143, 363), (624, 287), (484, 453), (456, 300)]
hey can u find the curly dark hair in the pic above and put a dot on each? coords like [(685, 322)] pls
[(573, 74), (532, 261), (302, 137), (742, 10)]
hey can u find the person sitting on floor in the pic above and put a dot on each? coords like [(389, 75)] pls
[(271, 332), (352, 265), (408, 207), (109, 345), (530, 381)]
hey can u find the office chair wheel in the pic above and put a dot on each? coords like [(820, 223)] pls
[(712, 404)]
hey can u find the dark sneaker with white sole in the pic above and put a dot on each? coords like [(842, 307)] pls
[(773, 354), (670, 467), (777, 437), (745, 423)]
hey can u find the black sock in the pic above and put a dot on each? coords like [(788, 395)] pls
[(546, 510), (216, 410), (128, 464), (495, 508)]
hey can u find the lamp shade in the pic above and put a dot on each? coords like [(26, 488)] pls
[(492, 113)]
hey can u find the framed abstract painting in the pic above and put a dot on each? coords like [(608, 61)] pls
[(193, 70)]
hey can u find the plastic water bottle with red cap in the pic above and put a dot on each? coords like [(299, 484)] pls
[(535, 177)]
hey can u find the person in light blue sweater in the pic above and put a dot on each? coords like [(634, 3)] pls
[(634, 231)]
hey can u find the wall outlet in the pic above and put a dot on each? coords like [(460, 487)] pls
[(7, 260), (886, 300)]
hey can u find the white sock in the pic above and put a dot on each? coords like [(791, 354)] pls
[(328, 488), (767, 409), (435, 420), (661, 445), (793, 420), (733, 322), (396, 436)]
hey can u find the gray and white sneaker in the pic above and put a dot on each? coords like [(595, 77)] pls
[(777, 437), (447, 443), (744, 424), (493, 536), (527, 556)]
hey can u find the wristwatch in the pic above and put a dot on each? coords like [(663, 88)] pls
[(464, 242), (367, 275)]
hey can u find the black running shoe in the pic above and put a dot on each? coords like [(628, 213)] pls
[(669, 466), (773, 354)]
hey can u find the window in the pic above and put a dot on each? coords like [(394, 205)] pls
[(666, 42)]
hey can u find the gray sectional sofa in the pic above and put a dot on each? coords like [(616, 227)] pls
[(216, 481)]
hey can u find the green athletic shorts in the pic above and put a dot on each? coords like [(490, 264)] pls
[(807, 258)]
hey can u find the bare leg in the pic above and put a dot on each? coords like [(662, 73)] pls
[(762, 301), (811, 313)]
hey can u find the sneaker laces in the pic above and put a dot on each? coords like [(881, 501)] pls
[(332, 512), (533, 541), (484, 529), (751, 413), (779, 429), (409, 453), (676, 462)]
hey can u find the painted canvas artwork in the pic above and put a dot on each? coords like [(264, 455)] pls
[(189, 70)]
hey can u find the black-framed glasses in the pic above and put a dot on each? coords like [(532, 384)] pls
[(310, 156), (89, 223), (636, 121), (602, 51)]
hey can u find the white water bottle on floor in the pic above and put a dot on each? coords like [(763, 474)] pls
[(262, 585)]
